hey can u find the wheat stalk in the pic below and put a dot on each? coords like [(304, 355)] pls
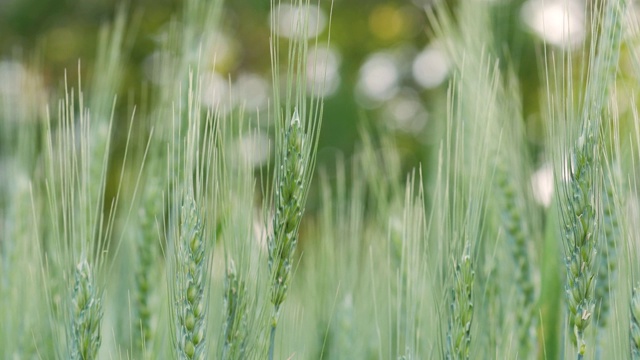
[(581, 198), (289, 198), (297, 125), (193, 165)]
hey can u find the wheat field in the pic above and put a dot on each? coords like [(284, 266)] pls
[(154, 234)]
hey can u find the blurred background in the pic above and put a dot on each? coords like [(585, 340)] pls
[(385, 65)]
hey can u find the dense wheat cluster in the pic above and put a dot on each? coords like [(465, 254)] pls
[(164, 234)]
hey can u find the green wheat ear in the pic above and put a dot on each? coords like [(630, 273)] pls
[(235, 304), (146, 270), (189, 300), (580, 230), (461, 316), (608, 255), (86, 315), (289, 196), (515, 228), (581, 198), (291, 184)]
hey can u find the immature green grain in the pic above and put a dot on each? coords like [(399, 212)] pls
[(289, 193), (146, 273), (581, 197), (188, 296), (461, 312), (579, 222), (634, 334), (518, 235), (86, 315), (235, 330), (607, 257)]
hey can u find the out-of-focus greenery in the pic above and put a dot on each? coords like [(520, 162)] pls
[(52, 36)]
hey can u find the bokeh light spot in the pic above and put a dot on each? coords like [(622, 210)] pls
[(379, 76), (289, 21), (431, 67), (558, 22), (542, 184), (387, 22), (323, 71), (251, 91)]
